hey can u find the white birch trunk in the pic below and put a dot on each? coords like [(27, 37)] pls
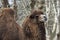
[(51, 9)]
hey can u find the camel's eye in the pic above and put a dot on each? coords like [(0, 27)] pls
[(36, 16)]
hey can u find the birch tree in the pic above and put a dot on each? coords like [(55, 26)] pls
[(52, 22), (58, 8)]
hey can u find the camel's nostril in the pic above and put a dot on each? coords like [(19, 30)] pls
[(45, 18)]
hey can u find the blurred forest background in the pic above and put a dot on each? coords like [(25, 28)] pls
[(51, 8)]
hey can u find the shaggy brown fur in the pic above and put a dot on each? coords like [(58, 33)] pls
[(9, 29), (33, 28)]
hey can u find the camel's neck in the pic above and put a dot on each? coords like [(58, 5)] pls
[(42, 31)]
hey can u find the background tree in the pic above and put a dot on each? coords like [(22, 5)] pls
[(33, 2), (5, 3), (15, 8), (52, 11)]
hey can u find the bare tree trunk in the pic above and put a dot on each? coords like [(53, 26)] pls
[(15, 8), (52, 19), (5, 3), (33, 2), (58, 8)]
